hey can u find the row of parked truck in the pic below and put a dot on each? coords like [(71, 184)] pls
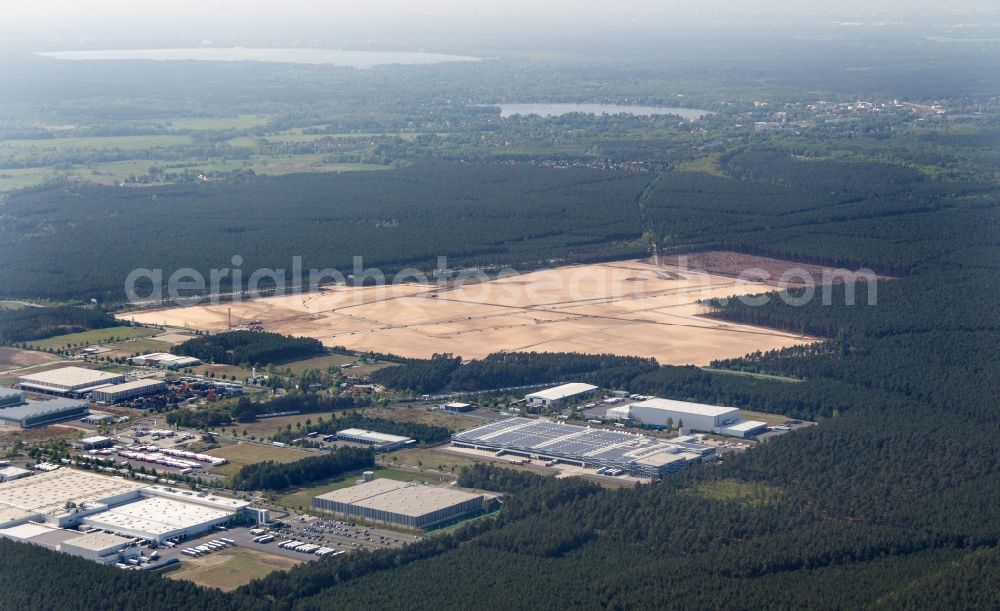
[(208, 548), (311, 548)]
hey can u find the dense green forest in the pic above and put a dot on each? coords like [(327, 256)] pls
[(269, 475), (470, 213), (246, 410), (512, 369), (31, 323), (249, 348), (877, 215)]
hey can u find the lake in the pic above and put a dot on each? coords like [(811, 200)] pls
[(555, 110), (333, 57)]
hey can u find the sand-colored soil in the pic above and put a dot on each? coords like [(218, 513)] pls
[(628, 308)]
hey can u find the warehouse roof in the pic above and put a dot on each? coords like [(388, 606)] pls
[(25, 531), (373, 436), (98, 541), (166, 358), (156, 515), (10, 514), (41, 408), (746, 425), (7, 393), (13, 472), (561, 392), (663, 458), (69, 376), (405, 498), (700, 409), (133, 385), (49, 492), (224, 503)]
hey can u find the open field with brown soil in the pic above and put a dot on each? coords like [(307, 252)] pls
[(13, 358), (231, 568), (627, 308), (9, 436), (425, 415), (265, 427)]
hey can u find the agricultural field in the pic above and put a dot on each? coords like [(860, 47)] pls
[(93, 336), (429, 458), (222, 371), (230, 568), (425, 415), (240, 454), (625, 308), (10, 436), (15, 358), (265, 427), (319, 362), (213, 123)]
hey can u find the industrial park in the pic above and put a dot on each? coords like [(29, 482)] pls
[(126, 473), (129, 488)]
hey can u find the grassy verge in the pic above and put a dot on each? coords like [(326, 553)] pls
[(247, 453), (93, 336)]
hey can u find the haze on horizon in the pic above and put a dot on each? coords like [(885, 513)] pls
[(66, 24)]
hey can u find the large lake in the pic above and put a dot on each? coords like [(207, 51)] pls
[(335, 57), (555, 110)]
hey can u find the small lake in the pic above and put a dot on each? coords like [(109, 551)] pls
[(556, 110), (333, 57)]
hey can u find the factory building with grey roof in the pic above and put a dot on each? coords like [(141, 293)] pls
[(402, 503), (633, 453)]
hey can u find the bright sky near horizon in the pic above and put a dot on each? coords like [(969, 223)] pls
[(294, 21)]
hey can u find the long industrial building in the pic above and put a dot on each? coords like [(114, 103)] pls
[(101, 547), (40, 413), (382, 441), (166, 360), (68, 381), (121, 392), (68, 498), (558, 395), (402, 503), (694, 417), (9, 396), (583, 446)]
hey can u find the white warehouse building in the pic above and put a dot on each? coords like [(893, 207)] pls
[(693, 416), (558, 394), (121, 392), (68, 498), (68, 381)]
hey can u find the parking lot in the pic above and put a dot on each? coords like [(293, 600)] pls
[(338, 534)]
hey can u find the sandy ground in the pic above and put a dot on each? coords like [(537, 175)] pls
[(627, 308)]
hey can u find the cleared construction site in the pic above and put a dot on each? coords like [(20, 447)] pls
[(626, 308)]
